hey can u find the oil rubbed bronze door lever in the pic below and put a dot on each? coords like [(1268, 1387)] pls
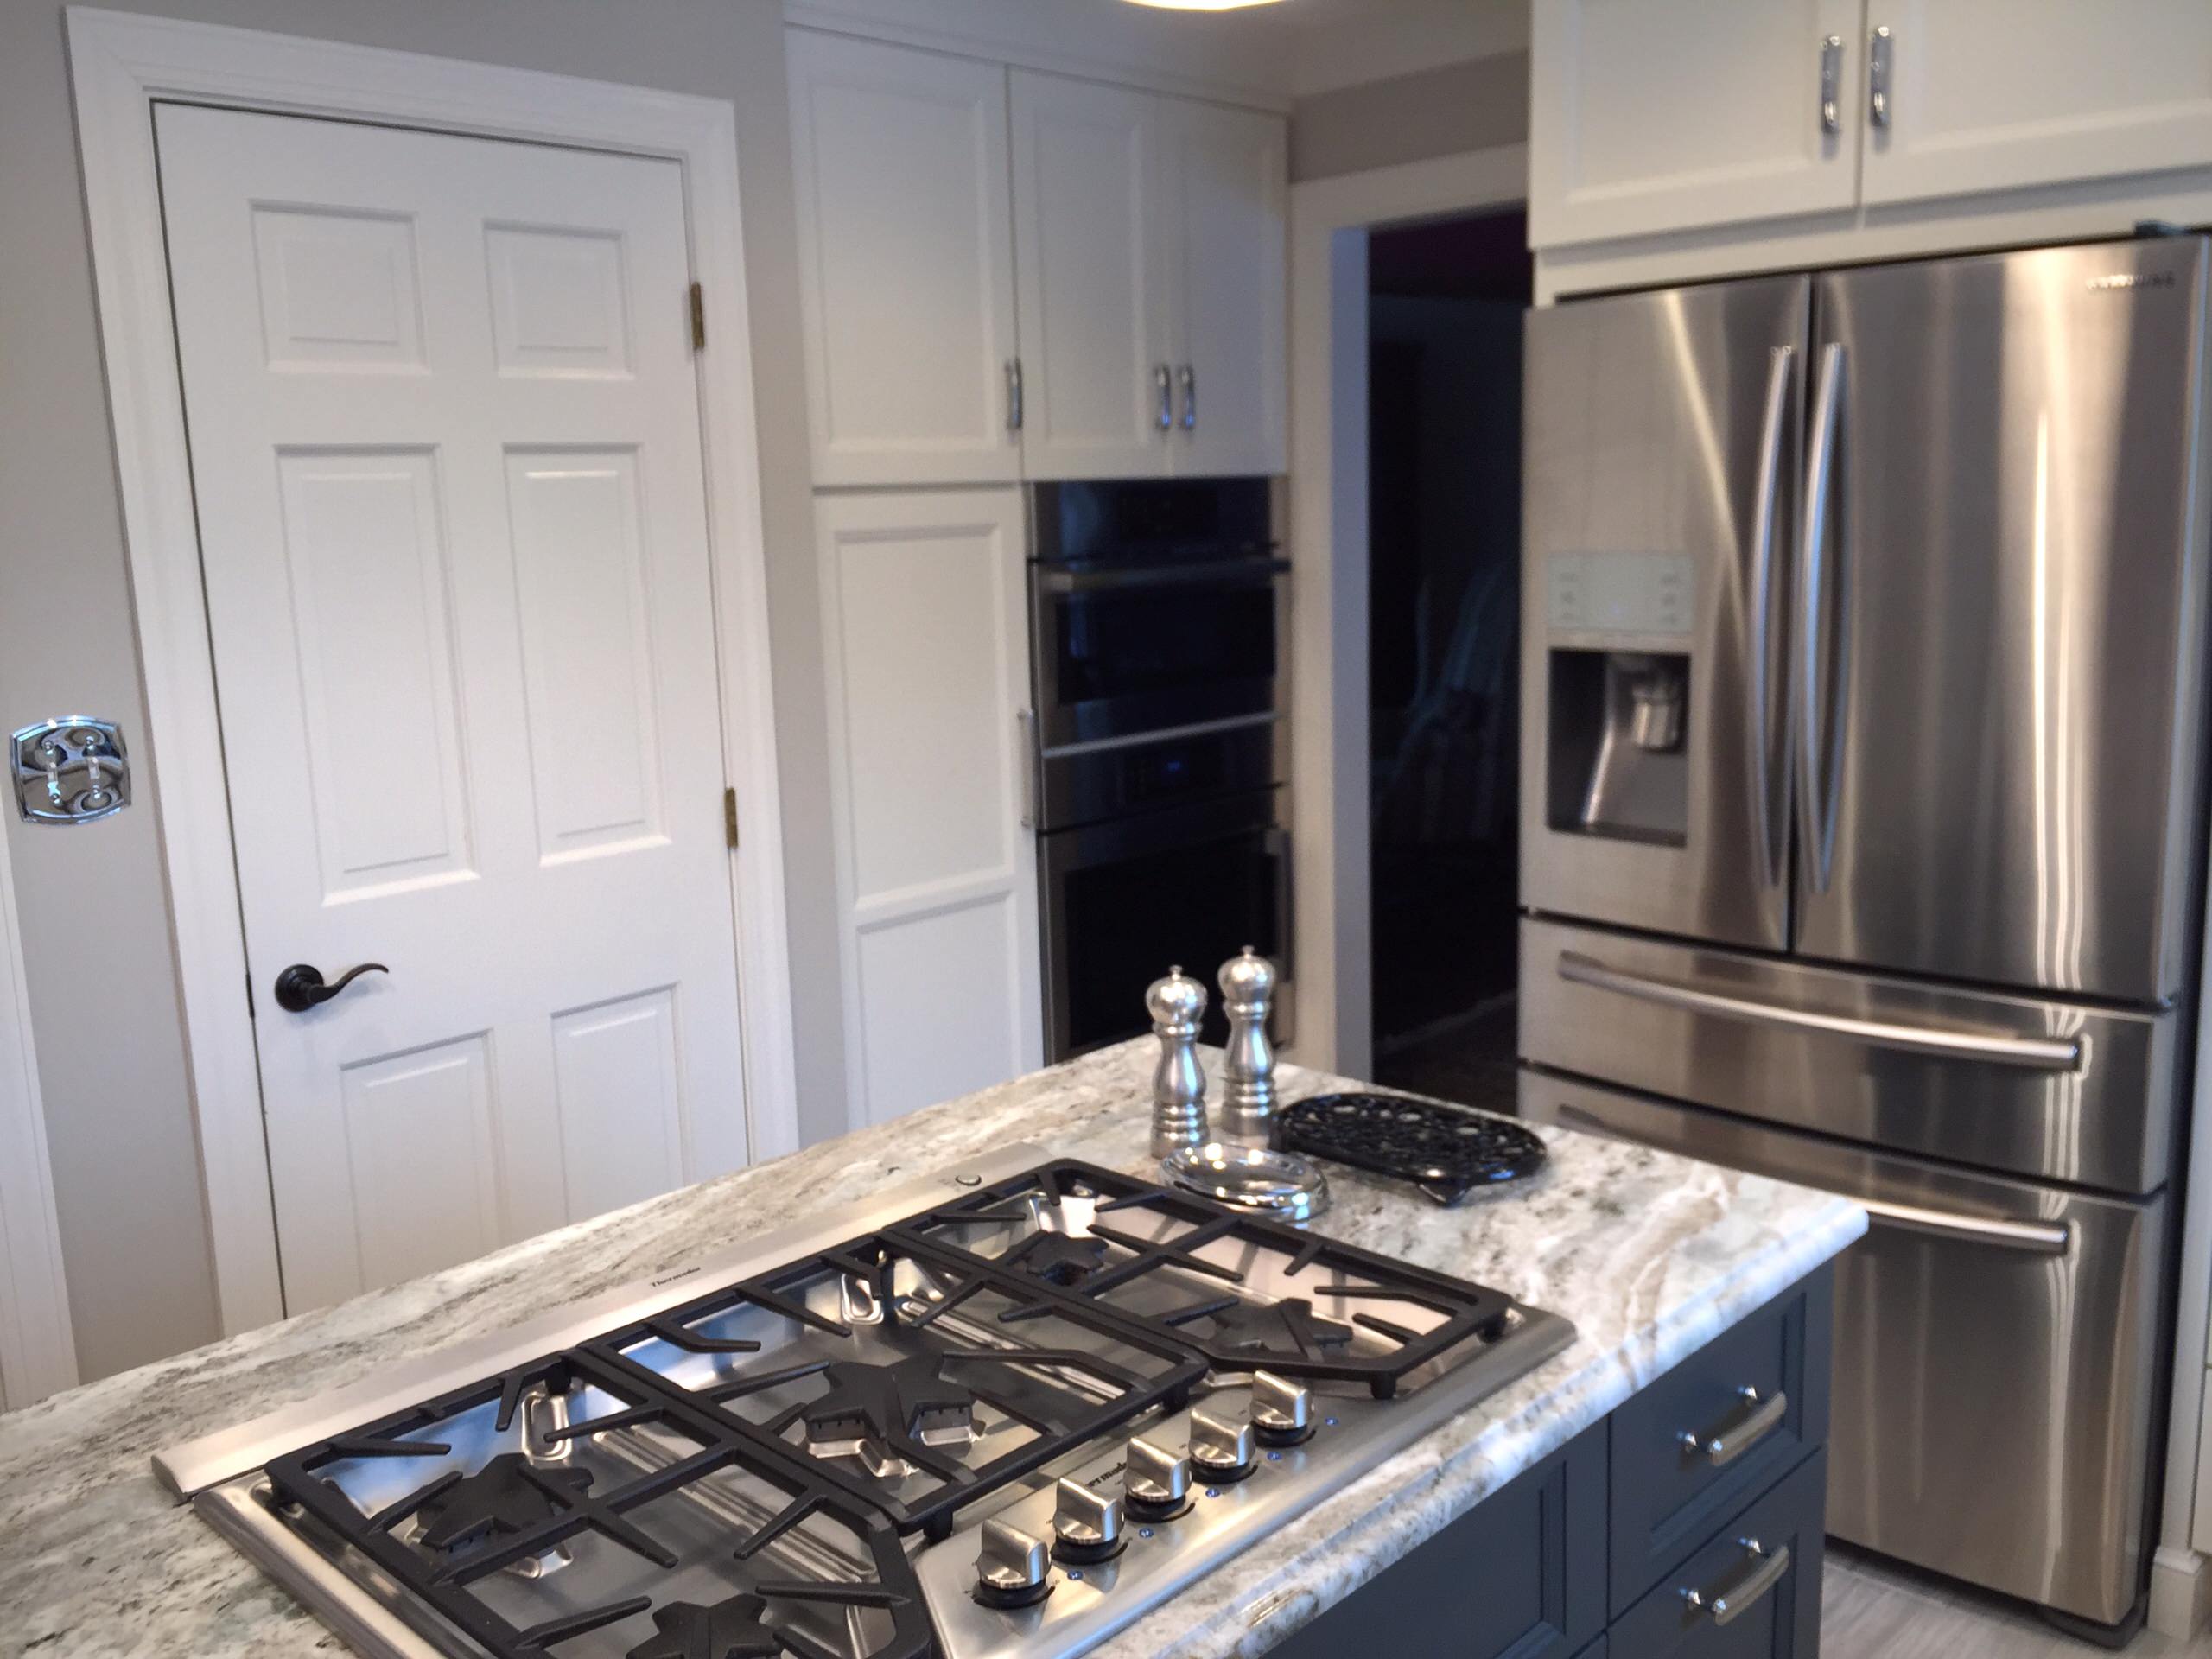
[(300, 987)]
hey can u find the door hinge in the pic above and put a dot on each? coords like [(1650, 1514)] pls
[(729, 814), (698, 317)]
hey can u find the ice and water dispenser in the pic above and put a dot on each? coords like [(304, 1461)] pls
[(1618, 700)]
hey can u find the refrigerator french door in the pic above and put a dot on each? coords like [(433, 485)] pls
[(1862, 806)]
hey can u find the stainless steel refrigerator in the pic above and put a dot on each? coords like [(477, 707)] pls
[(1862, 834)]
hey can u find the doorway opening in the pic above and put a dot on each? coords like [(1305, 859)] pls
[(1445, 305)]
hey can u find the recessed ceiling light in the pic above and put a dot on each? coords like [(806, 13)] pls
[(1201, 5)]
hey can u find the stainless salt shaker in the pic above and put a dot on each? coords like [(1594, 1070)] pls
[(1247, 1074), (1177, 1003)]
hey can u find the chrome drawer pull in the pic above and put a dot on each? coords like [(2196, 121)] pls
[(2030, 1053), (1765, 1572), (1758, 1419), (2036, 1238)]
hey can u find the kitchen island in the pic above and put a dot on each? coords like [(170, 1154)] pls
[(1653, 1258)]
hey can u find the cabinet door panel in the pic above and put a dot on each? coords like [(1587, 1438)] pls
[(1229, 176), (905, 262), (1646, 118), (1095, 311), (927, 657), (1994, 94)]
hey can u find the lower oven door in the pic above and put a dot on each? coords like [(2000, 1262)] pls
[(1996, 1371), (1125, 900)]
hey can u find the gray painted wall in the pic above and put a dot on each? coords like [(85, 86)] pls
[(1443, 111), (95, 917)]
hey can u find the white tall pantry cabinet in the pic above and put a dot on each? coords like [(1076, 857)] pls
[(1007, 275)]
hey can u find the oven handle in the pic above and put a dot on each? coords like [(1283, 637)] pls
[(1176, 576), (1278, 845)]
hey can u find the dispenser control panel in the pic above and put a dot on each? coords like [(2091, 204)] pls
[(1621, 592)]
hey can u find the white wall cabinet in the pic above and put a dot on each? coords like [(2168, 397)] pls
[(905, 263), (1090, 234), (1645, 118), (2002, 94), (925, 649), (1008, 274), (1652, 118)]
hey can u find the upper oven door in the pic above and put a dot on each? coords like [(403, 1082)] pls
[(1126, 651)]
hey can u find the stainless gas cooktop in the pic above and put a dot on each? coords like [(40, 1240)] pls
[(1002, 1411)]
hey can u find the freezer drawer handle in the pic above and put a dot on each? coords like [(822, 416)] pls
[(1756, 1418), (2031, 1053), (1763, 1571), (2040, 1237)]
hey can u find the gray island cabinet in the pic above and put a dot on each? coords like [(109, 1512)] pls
[(1608, 1501)]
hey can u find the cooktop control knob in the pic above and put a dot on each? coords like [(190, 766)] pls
[(1086, 1525), (1220, 1450), (1012, 1570), (1282, 1411), (1155, 1483)]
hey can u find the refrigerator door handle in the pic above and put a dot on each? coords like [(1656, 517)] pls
[(2030, 1053), (2033, 1237), (1817, 794), (1781, 366)]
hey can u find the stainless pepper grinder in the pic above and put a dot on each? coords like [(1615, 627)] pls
[(1177, 1003), (1248, 1107)]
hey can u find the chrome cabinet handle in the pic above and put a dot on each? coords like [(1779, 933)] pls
[(1013, 394), (1251, 571), (1817, 794), (1831, 68), (2034, 1238), (2030, 1053), (1763, 1570), (1781, 371), (300, 987), (1025, 721), (1189, 378), (1877, 76), (1161, 381), (1755, 1419)]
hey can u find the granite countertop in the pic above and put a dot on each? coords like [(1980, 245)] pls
[(1650, 1256)]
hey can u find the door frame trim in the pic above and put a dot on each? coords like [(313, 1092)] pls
[(1330, 219), (120, 63), (38, 1349)]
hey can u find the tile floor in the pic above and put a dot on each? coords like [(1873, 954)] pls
[(1872, 1609)]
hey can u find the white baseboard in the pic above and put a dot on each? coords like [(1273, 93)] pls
[(2180, 1592)]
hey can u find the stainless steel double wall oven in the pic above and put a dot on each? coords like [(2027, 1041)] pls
[(1862, 834), (1156, 616)]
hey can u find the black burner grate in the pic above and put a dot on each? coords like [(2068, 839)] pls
[(1321, 1290), (1445, 1151), (512, 1511)]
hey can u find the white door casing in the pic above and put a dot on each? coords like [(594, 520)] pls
[(37, 1348), (1998, 94), (1226, 191), (905, 262), (1646, 118), (446, 449), (925, 648), (1094, 278)]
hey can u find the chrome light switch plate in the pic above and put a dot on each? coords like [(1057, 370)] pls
[(72, 769)]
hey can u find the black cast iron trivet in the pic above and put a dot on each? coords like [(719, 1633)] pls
[(1445, 1152)]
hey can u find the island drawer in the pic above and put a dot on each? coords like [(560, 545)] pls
[(1522, 1574), (1752, 1592), (1714, 1432)]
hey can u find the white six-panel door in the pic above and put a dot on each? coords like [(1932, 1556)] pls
[(928, 664), (446, 449), (905, 262), (1097, 318)]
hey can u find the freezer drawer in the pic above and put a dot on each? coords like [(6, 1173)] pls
[(1993, 1402), (2051, 1090)]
